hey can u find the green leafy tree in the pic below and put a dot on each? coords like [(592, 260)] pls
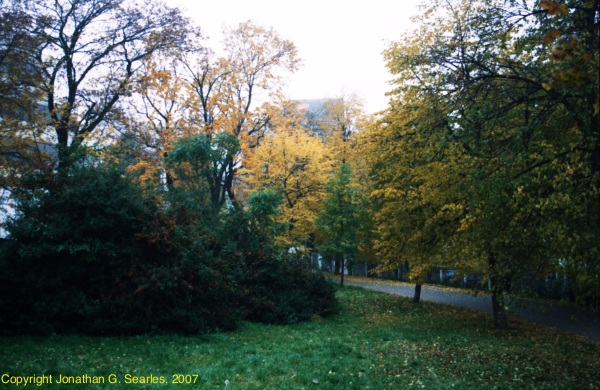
[(225, 90), (338, 221), (268, 286), (498, 154), (412, 174), (197, 163), (263, 206), (572, 33)]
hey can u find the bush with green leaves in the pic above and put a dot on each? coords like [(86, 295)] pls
[(273, 286), (92, 252), (270, 287), (284, 292)]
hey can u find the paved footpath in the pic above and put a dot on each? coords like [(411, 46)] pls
[(562, 316)]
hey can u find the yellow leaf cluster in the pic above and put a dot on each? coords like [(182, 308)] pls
[(297, 165)]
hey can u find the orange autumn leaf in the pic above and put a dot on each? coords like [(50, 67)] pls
[(552, 35), (554, 7)]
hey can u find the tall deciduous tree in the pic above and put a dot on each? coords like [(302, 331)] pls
[(193, 161), (198, 93), (511, 159), (226, 90), (162, 111), (338, 220), (297, 165), (88, 53), (342, 119), (412, 172), (572, 33)]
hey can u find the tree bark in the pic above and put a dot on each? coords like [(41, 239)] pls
[(417, 296), (498, 285), (342, 273), (500, 320), (336, 270)]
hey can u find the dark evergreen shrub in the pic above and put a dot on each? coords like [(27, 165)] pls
[(273, 288), (91, 252), (284, 291)]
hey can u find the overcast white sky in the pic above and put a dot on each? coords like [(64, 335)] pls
[(340, 42)]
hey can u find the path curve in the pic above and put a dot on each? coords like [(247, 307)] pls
[(562, 316)]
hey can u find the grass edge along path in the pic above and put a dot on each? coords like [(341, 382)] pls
[(564, 316), (375, 341)]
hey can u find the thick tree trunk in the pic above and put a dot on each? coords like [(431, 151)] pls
[(500, 320), (417, 296), (336, 270), (499, 284)]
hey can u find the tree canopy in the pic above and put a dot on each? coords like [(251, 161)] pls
[(486, 160), (490, 142)]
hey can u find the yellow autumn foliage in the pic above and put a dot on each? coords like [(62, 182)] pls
[(298, 165)]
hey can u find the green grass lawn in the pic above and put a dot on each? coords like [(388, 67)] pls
[(375, 341)]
